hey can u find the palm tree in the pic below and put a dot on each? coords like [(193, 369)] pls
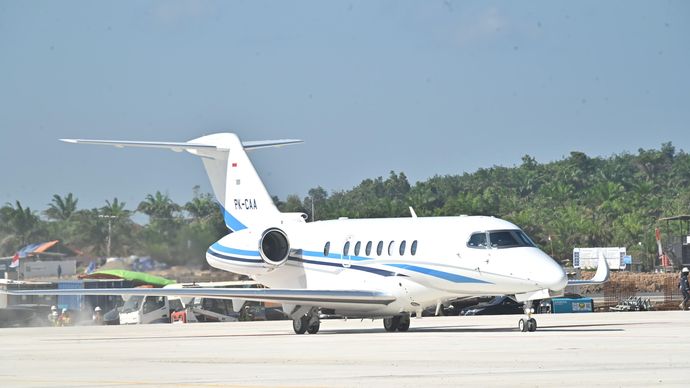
[(61, 209), (115, 209), (20, 221), (201, 207), (158, 206)]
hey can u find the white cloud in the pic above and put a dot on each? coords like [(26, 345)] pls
[(487, 24)]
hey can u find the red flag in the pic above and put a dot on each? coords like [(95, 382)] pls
[(15, 261)]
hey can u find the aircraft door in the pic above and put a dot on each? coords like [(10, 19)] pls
[(477, 253)]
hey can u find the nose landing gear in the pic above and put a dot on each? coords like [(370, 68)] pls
[(528, 323)]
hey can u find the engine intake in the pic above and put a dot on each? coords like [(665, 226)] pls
[(274, 247)]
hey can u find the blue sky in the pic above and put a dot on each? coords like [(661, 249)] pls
[(426, 88)]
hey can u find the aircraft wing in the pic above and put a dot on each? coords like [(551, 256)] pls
[(601, 276), (289, 296)]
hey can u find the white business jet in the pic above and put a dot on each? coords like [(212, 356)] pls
[(357, 268)]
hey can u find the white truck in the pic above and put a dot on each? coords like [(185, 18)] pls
[(148, 309)]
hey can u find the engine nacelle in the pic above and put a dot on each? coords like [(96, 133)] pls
[(274, 247)]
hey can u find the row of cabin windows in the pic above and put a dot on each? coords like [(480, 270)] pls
[(379, 248)]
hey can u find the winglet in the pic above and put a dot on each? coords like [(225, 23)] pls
[(600, 277)]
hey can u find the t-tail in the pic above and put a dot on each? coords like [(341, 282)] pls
[(235, 182)]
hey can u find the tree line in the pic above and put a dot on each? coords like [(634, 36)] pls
[(578, 201)]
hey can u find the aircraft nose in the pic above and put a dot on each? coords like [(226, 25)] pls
[(553, 276)]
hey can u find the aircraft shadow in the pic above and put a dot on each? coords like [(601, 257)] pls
[(479, 329), (600, 327)]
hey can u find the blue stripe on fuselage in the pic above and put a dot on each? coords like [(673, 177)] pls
[(230, 221), (333, 256), (221, 256), (439, 274), (225, 249), (427, 271)]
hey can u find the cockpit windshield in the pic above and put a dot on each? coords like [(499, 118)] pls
[(500, 239)]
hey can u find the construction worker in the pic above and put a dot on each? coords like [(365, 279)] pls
[(65, 319), (97, 316), (53, 317), (684, 288)]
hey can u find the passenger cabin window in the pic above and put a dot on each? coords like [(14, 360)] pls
[(509, 239), (402, 247), (367, 250), (326, 249), (357, 247), (379, 248), (390, 248), (413, 248), (477, 240), (346, 248)]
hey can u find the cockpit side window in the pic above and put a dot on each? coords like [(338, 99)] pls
[(477, 240), (509, 239)]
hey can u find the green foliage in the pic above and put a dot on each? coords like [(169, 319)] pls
[(577, 201)]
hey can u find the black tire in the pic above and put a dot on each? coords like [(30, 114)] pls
[(313, 329), (522, 325), (391, 324), (404, 324), (300, 325), (532, 325)]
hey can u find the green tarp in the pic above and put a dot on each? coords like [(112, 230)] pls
[(139, 277)]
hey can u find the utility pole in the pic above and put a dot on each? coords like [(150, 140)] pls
[(110, 229)]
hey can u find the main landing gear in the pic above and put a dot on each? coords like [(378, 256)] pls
[(528, 323), (397, 323), (307, 323)]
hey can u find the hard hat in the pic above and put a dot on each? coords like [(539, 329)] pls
[(53, 308), (98, 308), (686, 270)]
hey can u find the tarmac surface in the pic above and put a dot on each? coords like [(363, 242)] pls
[(603, 349)]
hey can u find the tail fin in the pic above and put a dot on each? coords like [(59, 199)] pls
[(236, 185)]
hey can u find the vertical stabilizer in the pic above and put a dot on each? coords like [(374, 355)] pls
[(236, 185)]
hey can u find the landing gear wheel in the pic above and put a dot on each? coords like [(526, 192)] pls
[(522, 325), (300, 324), (391, 324), (404, 324), (314, 328), (531, 325)]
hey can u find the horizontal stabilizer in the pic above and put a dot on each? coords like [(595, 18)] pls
[(181, 146), (301, 297), (601, 276)]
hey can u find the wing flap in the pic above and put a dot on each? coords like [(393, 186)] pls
[(304, 297)]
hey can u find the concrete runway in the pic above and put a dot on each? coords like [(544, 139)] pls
[(604, 349)]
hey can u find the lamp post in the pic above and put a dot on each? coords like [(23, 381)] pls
[(643, 252), (110, 229)]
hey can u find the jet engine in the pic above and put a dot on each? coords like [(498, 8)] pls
[(274, 247)]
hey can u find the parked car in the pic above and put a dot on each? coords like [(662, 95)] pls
[(497, 306)]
